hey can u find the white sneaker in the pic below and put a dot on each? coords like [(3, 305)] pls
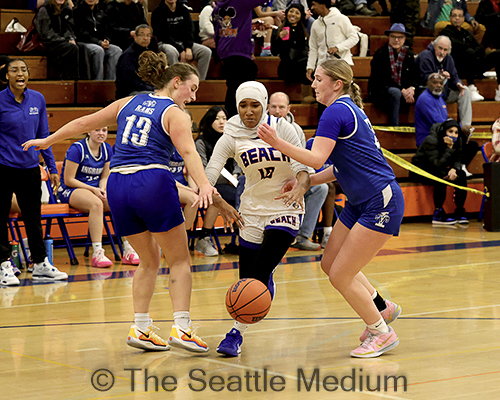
[(8, 278), (324, 241), (467, 173), (497, 94), (47, 272), (206, 247), (474, 93)]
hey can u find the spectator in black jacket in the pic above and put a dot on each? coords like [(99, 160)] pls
[(54, 24), (90, 27), (469, 56), (128, 82), (174, 29), (440, 154), (394, 75), (123, 17), (291, 44)]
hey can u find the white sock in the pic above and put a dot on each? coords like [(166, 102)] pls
[(142, 320), (240, 327), (380, 326), (96, 246), (327, 230), (267, 44), (126, 245), (182, 319)]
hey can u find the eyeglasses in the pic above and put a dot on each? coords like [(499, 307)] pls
[(397, 37), (145, 35), (24, 70)]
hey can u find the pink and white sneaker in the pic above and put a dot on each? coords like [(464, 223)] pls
[(391, 312), (376, 343), (130, 257), (99, 260)]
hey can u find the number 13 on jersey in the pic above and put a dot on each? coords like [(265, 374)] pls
[(137, 133)]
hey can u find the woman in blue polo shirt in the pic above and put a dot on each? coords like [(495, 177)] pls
[(23, 116)]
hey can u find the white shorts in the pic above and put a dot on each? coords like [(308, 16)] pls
[(255, 225)]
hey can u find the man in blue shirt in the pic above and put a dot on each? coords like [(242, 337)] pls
[(430, 107), (23, 116)]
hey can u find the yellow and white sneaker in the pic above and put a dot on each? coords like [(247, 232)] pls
[(186, 339), (146, 339)]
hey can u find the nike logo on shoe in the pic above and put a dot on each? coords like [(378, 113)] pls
[(187, 334)]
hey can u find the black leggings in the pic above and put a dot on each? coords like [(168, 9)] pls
[(260, 263)]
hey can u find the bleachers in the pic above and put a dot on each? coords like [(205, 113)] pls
[(67, 100)]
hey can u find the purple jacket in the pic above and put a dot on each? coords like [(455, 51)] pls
[(233, 27)]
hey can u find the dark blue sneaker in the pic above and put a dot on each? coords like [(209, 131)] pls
[(459, 215), (271, 286), (440, 218), (231, 344)]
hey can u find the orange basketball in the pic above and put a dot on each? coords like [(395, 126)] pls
[(248, 301)]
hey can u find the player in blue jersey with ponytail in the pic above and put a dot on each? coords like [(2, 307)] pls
[(375, 204), (142, 194)]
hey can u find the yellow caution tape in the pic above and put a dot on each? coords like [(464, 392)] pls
[(411, 129), (410, 167)]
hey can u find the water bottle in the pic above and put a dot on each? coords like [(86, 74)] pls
[(15, 254), (49, 248)]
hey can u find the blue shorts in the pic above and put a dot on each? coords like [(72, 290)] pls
[(382, 213), (146, 200), (64, 193)]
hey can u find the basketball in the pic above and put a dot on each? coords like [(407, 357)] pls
[(248, 301)]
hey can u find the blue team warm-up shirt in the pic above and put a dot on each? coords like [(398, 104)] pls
[(90, 167), (141, 138), (176, 166), (20, 122), (358, 163)]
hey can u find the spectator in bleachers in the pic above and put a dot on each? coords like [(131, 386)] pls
[(90, 27), (4, 60), (440, 154), (291, 44), (488, 13), (211, 129), (436, 58), (54, 23), (406, 12), (394, 75), (174, 29), (437, 17), (430, 107), (207, 25), (265, 18), (23, 116), (469, 56), (284, 4), (332, 35), (127, 82), (123, 17), (233, 39), (279, 106)]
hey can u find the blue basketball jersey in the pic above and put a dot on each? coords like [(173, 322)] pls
[(358, 163), (141, 138), (90, 167), (176, 166)]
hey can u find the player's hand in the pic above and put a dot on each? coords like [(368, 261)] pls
[(38, 144), (268, 134), (309, 74), (228, 213), (54, 181), (289, 185), (205, 194), (100, 193), (452, 174), (292, 194)]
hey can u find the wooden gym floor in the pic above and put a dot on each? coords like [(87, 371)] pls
[(56, 336)]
